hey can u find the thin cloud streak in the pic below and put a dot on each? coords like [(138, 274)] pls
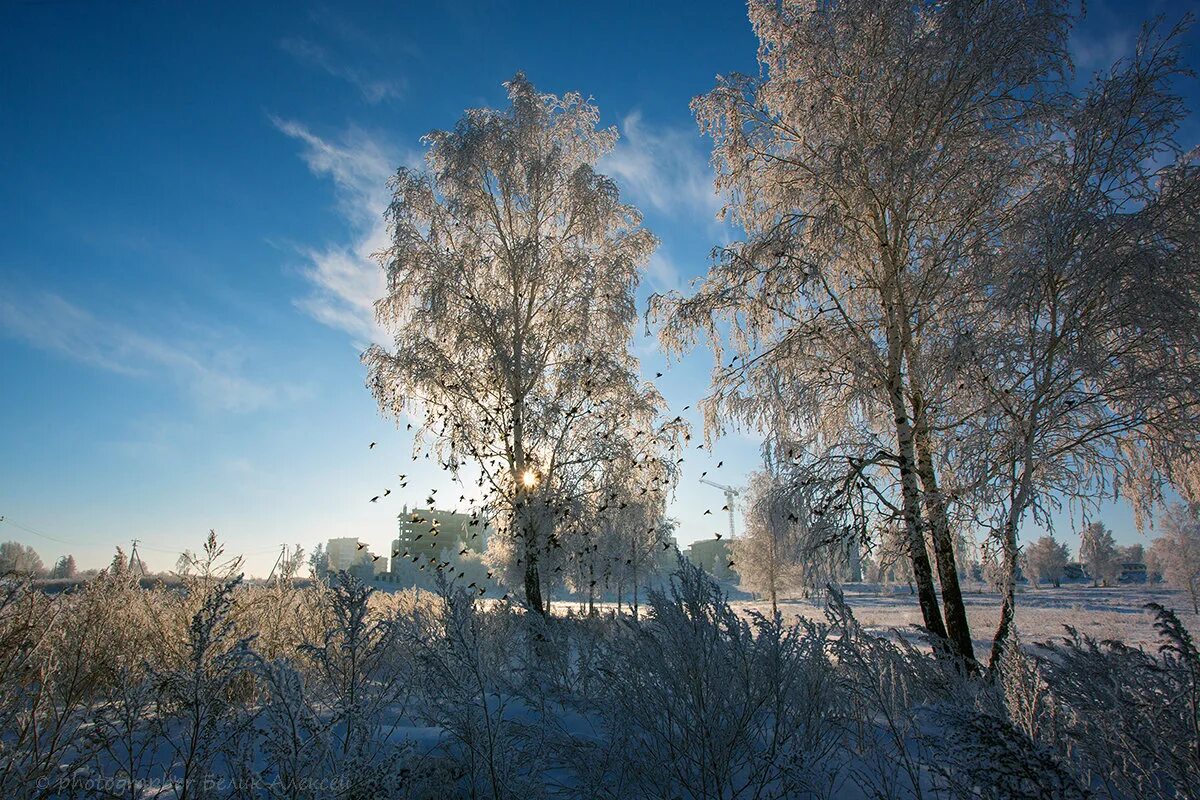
[(373, 90), (346, 280), (663, 168), (51, 323)]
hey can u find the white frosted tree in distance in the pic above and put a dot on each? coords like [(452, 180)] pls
[(20, 559), (1176, 554), (1046, 559), (510, 295), (1098, 552), (767, 556)]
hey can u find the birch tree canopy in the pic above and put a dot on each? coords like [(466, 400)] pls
[(1079, 358), (879, 147), (510, 295)]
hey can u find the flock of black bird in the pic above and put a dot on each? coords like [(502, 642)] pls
[(662, 467)]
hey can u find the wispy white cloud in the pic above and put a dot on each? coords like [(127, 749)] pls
[(664, 168), (373, 90), (346, 279), (662, 274), (210, 372)]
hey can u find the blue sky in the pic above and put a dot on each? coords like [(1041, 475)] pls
[(190, 193)]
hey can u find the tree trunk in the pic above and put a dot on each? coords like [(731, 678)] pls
[(591, 588), (529, 528), (533, 588), (910, 492), (1016, 508), (634, 559), (1008, 603), (533, 583), (957, 626)]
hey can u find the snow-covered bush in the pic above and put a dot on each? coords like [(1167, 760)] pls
[(339, 727), (1128, 720), (466, 667), (699, 702), (38, 713), (922, 727), (212, 688)]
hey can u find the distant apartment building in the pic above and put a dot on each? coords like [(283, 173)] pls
[(342, 553), (369, 566), (711, 555), (424, 532), (345, 554)]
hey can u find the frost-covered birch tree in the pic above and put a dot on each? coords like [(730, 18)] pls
[(878, 147), (1045, 560), (1176, 554), (510, 281), (1098, 552), (1079, 364), (767, 556)]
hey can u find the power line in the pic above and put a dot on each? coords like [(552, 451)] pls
[(5, 520), (8, 521)]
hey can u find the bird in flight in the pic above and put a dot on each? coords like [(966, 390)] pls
[(371, 446), (375, 499)]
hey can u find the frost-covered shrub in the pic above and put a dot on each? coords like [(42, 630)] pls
[(467, 664), (126, 736), (181, 725), (38, 715), (211, 688), (205, 704), (338, 727), (1129, 720), (883, 683), (922, 727), (973, 754), (698, 702)]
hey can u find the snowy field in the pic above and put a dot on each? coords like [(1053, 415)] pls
[(1101, 613)]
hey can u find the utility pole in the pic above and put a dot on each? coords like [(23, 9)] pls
[(730, 493), (133, 556), (280, 560)]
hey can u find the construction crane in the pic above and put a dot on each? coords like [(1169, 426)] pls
[(730, 493)]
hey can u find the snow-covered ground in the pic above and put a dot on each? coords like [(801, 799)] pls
[(1101, 613), (268, 691)]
